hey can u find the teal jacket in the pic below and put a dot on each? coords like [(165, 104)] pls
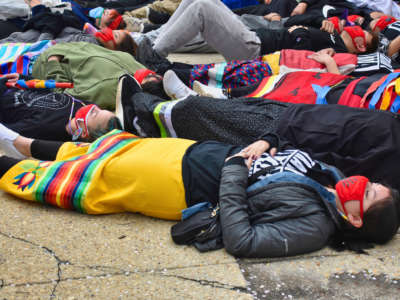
[(93, 69)]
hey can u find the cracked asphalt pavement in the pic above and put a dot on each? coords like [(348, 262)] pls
[(48, 253)]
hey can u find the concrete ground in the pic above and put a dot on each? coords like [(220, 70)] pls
[(48, 253)]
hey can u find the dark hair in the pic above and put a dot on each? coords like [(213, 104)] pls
[(155, 88), (113, 123), (127, 45), (373, 46), (380, 224)]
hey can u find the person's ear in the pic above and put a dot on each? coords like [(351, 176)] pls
[(356, 221)]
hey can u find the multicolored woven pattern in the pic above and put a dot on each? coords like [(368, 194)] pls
[(19, 57), (234, 74), (65, 183)]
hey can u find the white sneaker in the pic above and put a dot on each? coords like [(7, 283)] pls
[(174, 87), (134, 24), (208, 91), (7, 138)]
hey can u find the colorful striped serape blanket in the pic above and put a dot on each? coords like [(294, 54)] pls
[(19, 57)]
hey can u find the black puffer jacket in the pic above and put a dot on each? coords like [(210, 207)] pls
[(279, 219)]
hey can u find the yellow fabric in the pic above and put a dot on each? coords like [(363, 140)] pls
[(144, 176), (273, 61)]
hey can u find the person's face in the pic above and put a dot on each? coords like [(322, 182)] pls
[(118, 35), (358, 46), (372, 25), (152, 78), (98, 119), (374, 192), (105, 19)]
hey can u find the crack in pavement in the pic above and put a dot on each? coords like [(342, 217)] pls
[(203, 282), (46, 249), (117, 272), (212, 283)]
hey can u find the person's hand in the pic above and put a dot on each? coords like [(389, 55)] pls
[(329, 51), (12, 78), (294, 27), (273, 17), (376, 14), (268, 2), (299, 9), (327, 26), (55, 57), (360, 20), (322, 58), (257, 148)]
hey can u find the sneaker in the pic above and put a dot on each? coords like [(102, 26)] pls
[(124, 107), (174, 87), (134, 24), (7, 138), (208, 91)]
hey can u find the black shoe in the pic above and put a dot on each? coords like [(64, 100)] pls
[(124, 106), (146, 55)]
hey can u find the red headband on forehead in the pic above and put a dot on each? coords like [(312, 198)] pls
[(383, 22), (114, 24), (352, 188), (82, 115), (354, 32), (353, 18), (106, 34), (141, 74), (336, 22)]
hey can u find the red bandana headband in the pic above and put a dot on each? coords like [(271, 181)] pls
[(354, 32), (114, 24), (352, 188), (336, 22), (82, 115), (106, 34), (383, 22), (141, 74), (353, 18)]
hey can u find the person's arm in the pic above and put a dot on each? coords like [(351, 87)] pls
[(394, 47), (55, 70), (281, 238), (313, 18)]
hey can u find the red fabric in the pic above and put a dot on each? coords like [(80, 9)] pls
[(353, 18), (296, 87), (106, 34), (355, 31), (384, 21), (298, 60), (352, 188), (81, 115), (348, 98), (335, 21), (141, 74), (114, 24)]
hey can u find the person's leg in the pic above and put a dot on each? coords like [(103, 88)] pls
[(219, 27), (239, 121)]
